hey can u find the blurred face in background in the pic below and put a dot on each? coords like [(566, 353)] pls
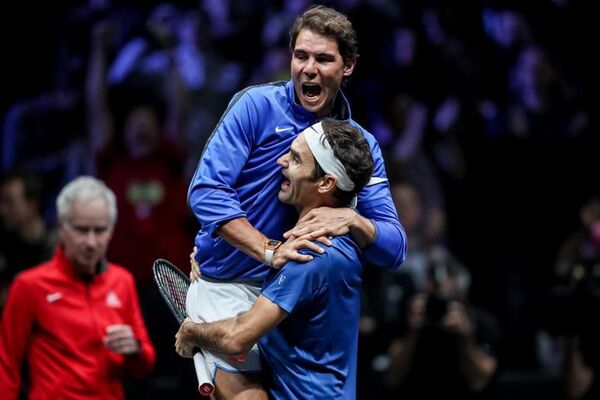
[(408, 204), (15, 208), (86, 233), (142, 132)]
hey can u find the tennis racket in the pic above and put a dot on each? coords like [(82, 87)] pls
[(173, 286)]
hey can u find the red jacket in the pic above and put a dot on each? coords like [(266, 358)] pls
[(57, 322)]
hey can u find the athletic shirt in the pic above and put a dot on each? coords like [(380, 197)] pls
[(312, 353), (238, 176)]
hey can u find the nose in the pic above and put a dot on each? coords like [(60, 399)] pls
[(310, 68), (91, 238), (283, 161)]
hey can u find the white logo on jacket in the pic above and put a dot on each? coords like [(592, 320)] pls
[(52, 297), (285, 129), (112, 300)]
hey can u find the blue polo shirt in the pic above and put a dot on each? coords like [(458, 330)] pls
[(312, 354)]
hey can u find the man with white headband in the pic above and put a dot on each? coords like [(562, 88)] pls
[(307, 314)]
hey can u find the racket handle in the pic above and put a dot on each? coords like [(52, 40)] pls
[(205, 384)]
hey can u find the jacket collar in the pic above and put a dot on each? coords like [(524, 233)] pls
[(65, 265)]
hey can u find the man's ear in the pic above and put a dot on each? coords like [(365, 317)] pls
[(327, 184), (349, 66)]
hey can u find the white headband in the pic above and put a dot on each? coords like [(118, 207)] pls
[(321, 150)]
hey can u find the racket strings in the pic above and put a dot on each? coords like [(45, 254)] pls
[(174, 288), (178, 290)]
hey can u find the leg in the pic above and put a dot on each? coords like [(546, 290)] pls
[(233, 386)]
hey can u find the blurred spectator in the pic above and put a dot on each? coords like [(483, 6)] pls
[(278, 19), (146, 58), (143, 165), (24, 238), (582, 248), (448, 349), (541, 110), (75, 320), (387, 293), (568, 340), (174, 60), (505, 32), (45, 135), (540, 106)]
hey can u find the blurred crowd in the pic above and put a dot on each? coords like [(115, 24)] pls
[(484, 113)]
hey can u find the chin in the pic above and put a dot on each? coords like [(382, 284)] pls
[(313, 108), (283, 197)]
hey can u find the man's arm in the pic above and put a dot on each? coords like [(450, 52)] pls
[(99, 119), (231, 336), (15, 333), (577, 376), (241, 234), (138, 363), (402, 350), (477, 366)]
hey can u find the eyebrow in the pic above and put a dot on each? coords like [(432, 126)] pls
[(322, 54)]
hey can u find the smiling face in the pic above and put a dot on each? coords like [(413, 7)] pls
[(317, 69), (299, 188)]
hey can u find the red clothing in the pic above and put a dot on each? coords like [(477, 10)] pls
[(57, 322), (153, 215)]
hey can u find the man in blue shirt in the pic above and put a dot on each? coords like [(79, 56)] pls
[(307, 314), (235, 187)]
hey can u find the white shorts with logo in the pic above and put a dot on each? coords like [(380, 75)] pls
[(209, 301)]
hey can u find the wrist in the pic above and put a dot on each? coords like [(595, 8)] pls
[(271, 247)]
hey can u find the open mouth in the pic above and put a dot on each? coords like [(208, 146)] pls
[(285, 185), (311, 90)]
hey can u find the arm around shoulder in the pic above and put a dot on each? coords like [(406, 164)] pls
[(388, 246)]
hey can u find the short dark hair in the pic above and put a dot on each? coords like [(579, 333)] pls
[(32, 184), (353, 151), (330, 23)]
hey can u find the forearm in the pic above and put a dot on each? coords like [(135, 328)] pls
[(10, 377), (99, 122), (141, 363), (388, 247), (401, 354), (233, 335), (16, 328), (578, 376), (218, 336), (242, 235), (362, 231), (477, 367)]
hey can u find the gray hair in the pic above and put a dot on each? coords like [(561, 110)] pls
[(85, 188)]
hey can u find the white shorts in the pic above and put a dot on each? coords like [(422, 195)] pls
[(209, 301)]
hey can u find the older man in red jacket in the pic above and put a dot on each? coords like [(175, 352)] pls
[(75, 319)]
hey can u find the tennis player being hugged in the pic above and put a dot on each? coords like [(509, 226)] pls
[(307, 314)]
